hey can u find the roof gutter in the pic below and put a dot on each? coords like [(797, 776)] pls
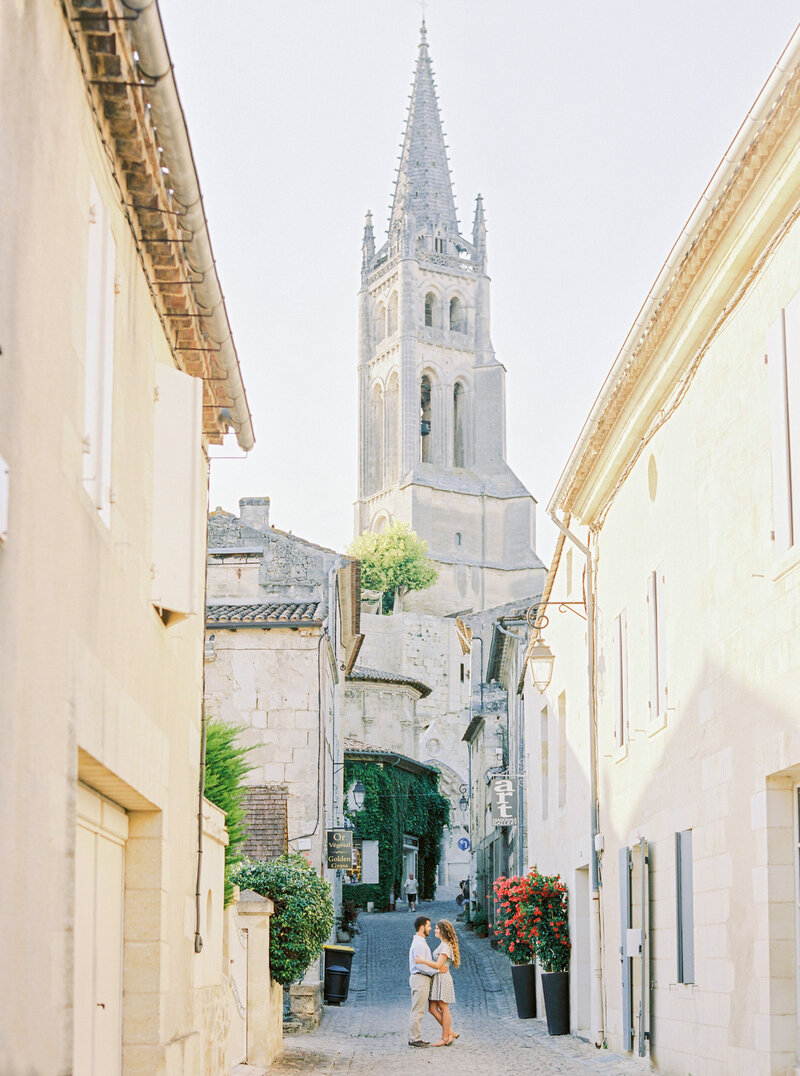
[(155, 66), (765, 101)]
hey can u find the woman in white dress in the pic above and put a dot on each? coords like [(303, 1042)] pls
[(443, 994)]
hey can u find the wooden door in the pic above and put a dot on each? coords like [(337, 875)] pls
[(99, 891)]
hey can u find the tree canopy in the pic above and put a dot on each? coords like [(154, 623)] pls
[(394, 562)]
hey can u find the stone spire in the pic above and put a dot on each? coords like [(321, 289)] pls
[(479, 232), (424, 191)]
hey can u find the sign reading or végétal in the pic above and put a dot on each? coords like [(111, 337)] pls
[(340, 849), (504, 801)]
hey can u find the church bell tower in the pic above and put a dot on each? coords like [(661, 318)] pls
[(432, 427)]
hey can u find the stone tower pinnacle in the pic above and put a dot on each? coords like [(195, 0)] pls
[(423, 194)]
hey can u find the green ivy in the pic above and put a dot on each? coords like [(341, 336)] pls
[(226, 768), (303, 916), (397, 802)]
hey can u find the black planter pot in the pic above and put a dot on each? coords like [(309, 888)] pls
[(524, 978), (555, 988)]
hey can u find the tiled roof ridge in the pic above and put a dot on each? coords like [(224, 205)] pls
[(280, 611), (364, 672)]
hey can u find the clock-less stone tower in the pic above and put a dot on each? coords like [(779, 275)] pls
[(432, 408)]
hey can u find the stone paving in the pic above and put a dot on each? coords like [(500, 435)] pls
[(369, 1032)]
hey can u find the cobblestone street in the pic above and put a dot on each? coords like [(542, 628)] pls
[(370, 1032)]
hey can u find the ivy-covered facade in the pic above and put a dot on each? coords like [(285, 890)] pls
[(401, 799)]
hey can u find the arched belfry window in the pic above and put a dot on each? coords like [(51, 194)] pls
[(380, 322), (392, 319), (430, 308), (376, 439), (425, 430), (459, 426), (457, 317), (392, 421)]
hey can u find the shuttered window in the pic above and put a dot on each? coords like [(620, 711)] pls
[(620, 677), (656, 606), (783, 361), (684, 898)]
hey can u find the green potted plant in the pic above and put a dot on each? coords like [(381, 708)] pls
[(514, 934), (480, 922), (303, 915), (546, 907)]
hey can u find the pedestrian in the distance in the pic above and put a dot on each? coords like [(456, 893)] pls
[(419, 979), (410, 886), (443, 993)]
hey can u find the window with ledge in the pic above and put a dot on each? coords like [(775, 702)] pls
[(425, 429), (430, 308), (438, 245), (99, 356)]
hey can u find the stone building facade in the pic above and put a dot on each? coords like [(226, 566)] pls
[(276, 645), (668, 778), (111, 389)]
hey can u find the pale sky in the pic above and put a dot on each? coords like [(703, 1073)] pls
[(590, 127)]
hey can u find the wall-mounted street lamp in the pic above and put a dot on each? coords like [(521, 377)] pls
[(540, 657), (540, 662), (358, 792)]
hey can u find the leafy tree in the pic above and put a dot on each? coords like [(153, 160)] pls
[(226, 768), (394, 561), (303, 916)]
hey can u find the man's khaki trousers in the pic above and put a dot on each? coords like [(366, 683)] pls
[(420, 992)]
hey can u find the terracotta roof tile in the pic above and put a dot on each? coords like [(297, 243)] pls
[(262, 614)]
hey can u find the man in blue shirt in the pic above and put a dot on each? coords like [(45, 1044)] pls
[(419, 979)]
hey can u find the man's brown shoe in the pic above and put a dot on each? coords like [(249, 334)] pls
[(418, 1042)]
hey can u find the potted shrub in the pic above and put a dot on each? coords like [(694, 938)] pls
[(303, 915), (545, 905), (515, 937), (480, 922)]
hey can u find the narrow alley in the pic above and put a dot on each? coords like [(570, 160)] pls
[(369, 1032)]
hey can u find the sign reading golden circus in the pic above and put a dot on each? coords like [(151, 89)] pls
[(504, 801), (340, 849)]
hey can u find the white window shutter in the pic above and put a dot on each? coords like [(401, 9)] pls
[(623, 677), (661, 640), (616, 675), (779, 425), (370, 874), (792, 368), (178, 511), (652, 616)]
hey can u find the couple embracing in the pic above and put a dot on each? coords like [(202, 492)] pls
[(430, 980)]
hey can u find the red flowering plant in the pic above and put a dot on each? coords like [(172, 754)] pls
[(514, 927), (545, 905)]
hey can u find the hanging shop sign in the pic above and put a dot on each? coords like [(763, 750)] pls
[(340, 849), (504, 801)]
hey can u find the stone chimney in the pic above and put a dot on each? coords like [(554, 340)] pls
[(254, 513)]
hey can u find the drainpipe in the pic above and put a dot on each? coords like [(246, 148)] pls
[(595, 935)]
